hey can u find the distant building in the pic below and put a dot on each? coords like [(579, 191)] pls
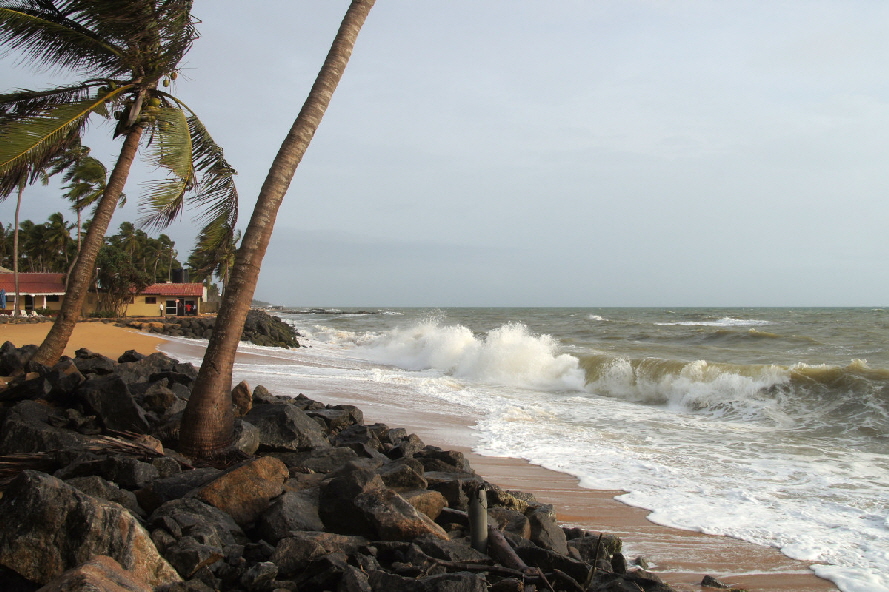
[(47, 290)]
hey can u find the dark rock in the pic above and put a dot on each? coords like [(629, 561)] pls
[(449, 550), (285, 428), (92, 363), (246, 437), (333, 419), (292, 511), (192, 517), (106, 490), (130, 355), (406, 447), (448, 461), (260, 575), (451, 582), (549, 560), (188, 556), (393, 518), (319, 460), (26, 428), (545, 531), (453, 486), (401, 475), (13, 359), (337, 509), (511, 521), (50, 527), (619, 563), (711, 582), (110, 398), (294, 553), (174, 487), (99, 574)]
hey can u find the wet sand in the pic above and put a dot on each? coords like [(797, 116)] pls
[(680, 557)]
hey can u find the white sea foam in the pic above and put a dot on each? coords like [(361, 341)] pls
[(723, 322)]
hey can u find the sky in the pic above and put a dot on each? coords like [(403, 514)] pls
[(551, 152)]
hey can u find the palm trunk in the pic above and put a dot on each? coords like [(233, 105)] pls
[(15, 251), (78, 284), (207, 422)]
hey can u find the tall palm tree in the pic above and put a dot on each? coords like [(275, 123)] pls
[(86, 183), (124, 51), (209, 258), (207, 422)]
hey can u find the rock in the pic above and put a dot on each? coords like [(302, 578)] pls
[(203, 522), (511, 521), (545, 531), (711, 582), (106, 490), (246, 437), (393, 518), (174, 487), (406, 447), (260, 575), (334, 419), (242, 399), (337, 509), (244, 492), (292, 511), (26, 428), (189, 556), (130, 355), (549, 560), (449, 550), (319, 460), (50, 527), (294, 553), (88, 362), (110, 398), (13, 359), (452, 582), (99, 574), (619, 563), (453, 486), (430, 503), (446, 461), (285, 428), (400, 475)]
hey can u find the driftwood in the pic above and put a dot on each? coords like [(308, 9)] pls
[(502, 552)]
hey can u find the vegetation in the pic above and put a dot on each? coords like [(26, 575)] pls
[(47, 247), (207, 423), (122, 57)]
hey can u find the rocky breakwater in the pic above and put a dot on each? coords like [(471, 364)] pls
[(260, 328), (310, 498)]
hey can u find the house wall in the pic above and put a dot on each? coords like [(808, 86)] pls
[(142, 307)]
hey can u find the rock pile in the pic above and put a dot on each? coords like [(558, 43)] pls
[(260, 328), (95, 497)]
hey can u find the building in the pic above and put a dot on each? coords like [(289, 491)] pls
[(38, 290), (45, 291)]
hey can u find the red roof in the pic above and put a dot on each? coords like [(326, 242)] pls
[(174, 290), (36, 284)]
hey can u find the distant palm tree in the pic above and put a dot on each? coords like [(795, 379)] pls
[(207, 422), (86, 182), (125, 51)]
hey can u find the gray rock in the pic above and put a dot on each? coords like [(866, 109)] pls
[(293, 554), (393, 518), (192, 517), (286, 428), (337, 509), (319, 460), (110, 398), (50, 527), (545, 531), (100, 488), (174, 487), (26, 429), (292, 511)]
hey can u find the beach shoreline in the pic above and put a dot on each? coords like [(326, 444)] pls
[(681, 557)]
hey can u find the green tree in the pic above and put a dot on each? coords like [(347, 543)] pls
[(207, 422), (212, 258), (124, 52), (117, 280), (86, 182)]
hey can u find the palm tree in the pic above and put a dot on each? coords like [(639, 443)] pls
[(207, 422), (125, 51), (86, 183), (209, 259)]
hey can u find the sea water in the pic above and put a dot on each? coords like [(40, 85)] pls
[(768, 425)]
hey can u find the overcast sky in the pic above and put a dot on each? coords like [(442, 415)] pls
[(553, 152)]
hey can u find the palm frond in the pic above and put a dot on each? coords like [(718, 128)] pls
[(216, 195), (171, 148), (28, 144), (48, 35)]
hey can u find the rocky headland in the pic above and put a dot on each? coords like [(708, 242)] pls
[(310, 498)]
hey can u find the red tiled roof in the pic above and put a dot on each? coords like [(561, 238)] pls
[(34, 283), (174, 290)]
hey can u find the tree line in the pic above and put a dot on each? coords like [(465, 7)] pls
[(127, 61)]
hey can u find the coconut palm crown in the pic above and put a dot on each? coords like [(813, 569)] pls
[(127, 54)]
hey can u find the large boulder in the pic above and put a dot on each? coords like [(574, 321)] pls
[(545, 531), (286, 428), (290, 512), (50, 527), (338, 510), (28, 427), (295, 552), (244, 492), (393, 518), (99, 574), (110, 398)]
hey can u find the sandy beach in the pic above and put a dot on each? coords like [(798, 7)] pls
[(680, 557)]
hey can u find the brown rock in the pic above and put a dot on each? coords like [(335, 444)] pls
[(426, 501), (245, 491), (99, 574), (394, 518), (242, 399)]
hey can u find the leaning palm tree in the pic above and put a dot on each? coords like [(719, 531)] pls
[(124, 51), (207, 423)]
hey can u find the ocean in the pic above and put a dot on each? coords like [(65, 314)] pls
[(770, 425)]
